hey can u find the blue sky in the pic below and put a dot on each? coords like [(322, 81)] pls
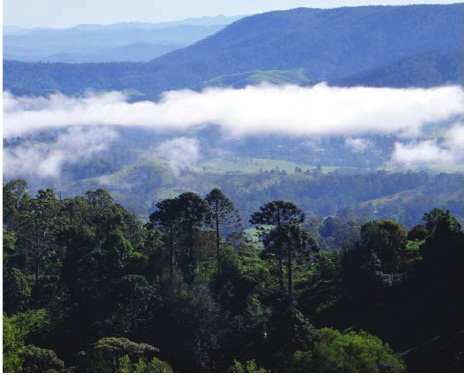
[(65, 13)]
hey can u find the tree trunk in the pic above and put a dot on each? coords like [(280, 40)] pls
[(36, 270), (280, 255), (170, 240), (290, 277), (217, 232), (191, 265), (280, 271)]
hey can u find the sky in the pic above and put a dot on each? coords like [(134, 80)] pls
[(67, 13)]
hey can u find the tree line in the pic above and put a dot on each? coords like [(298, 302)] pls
[(88, 287)]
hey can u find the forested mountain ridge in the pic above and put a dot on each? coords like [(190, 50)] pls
[(88, 288), (423, 70), (327, 44), (427, 69)]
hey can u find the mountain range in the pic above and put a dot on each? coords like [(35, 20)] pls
[(131, 41), (419, 45)]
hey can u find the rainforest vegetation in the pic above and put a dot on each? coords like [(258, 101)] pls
[(88, 287)]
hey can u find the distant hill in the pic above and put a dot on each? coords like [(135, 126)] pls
[(323, 44), (95, 43), (136, 52), (12, 30)]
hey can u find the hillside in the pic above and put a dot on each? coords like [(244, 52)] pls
[(327, 44), (138, 180), (423, 70)]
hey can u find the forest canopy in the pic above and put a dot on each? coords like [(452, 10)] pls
[(89, 287)]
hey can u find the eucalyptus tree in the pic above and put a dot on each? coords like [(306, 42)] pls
[(15, 196), (443, 252), (103, 212), (378, 261), (38, 228), (278, 213), (165, 220)]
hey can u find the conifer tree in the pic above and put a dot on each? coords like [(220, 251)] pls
[(224, 217), (278, 213)]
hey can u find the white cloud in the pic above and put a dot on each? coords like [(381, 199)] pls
[(48, 159), (454, 139), (179, 152), (427, 152), (318, 110), (357, 144), (291, 110), (449, 151)]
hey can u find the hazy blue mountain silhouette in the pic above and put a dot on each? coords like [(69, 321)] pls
[(97, 42)]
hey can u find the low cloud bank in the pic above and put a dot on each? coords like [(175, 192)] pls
[(179, 153), (448, 151), (91, 122), (357, 144), (47, 160), (318, 110)]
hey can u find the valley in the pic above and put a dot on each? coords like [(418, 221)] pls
[(139, 171)]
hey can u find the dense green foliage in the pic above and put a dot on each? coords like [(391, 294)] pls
[(40, 360), (155, 365), (90, 288), (108, 352), (338, 352), (323, 43), (250, 367), (13, 341)]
